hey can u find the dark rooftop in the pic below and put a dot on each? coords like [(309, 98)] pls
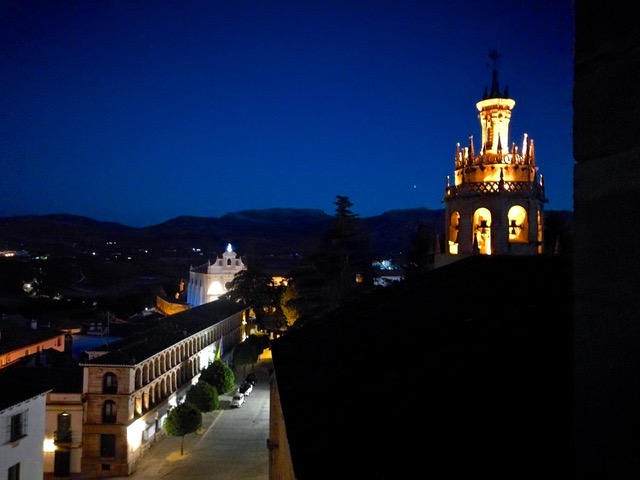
[(466, 370), (14, 393), (165, 332), (17, 331)]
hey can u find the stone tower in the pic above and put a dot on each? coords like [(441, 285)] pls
[(495, 204)]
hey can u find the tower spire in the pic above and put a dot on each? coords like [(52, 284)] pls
[(495, 86)]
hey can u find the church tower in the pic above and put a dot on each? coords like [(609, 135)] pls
[(495, 204)]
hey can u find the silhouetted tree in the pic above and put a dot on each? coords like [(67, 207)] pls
[(275, 320), (336, 273), (345, 221), (260, 341), (255, 289), (420, 256), (245, 353), (311, 291)]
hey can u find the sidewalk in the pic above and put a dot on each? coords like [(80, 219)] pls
[(164, 455), (164, 460)]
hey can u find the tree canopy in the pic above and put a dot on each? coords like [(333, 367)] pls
[(420, 257), (219, 376), (336, 273), (203, 396), (254, 288), (245, 353), (182, 420)]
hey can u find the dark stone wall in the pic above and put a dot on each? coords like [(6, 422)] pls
[(606, 254)]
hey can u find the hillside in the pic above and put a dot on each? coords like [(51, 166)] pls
[(263, 233), (126, 268)]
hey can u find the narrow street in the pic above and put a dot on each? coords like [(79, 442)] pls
[(231, 445)]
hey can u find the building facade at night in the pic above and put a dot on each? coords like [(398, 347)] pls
[(495, 203), (129, 389), (209, 281)]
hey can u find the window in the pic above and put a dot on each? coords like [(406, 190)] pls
[(17, 426), (63, 433), (109, 383), (107, 445), (109, 412), (14, 472)]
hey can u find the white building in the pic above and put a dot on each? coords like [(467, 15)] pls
[(209, 281), (22, 418)]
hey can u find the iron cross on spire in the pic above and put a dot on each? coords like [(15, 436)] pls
[(494, 55)]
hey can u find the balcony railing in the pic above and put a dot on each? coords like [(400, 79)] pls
[(492, 188)]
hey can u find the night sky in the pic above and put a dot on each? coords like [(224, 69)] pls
[(141, 111)]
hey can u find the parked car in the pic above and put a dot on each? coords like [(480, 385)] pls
[(252, 378), (246, 388), (237, 400)]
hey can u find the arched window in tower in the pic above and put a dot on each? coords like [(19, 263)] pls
[(482, 230), (518, 224), (109, 383), (454, 229), (109, 412)]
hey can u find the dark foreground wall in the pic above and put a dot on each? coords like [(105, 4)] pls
[(607, 257)]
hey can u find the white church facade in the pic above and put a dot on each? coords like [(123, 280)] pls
[(209, 281)]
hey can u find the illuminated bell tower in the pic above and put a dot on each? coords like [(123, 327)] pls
[(495, 205)]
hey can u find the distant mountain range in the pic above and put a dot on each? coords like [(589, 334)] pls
[(269, 232), (127, 268)]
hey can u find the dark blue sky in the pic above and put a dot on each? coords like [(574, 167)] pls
[(141, 111)]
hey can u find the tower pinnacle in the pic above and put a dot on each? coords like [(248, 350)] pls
[(494, 55)]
